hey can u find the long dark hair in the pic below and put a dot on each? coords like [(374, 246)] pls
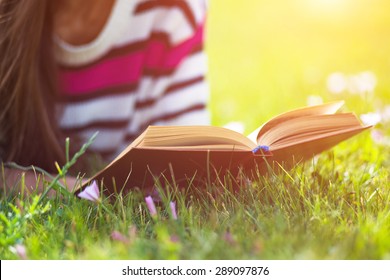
[(29, 134)]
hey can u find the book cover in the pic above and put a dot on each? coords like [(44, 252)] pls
[(198, 155)]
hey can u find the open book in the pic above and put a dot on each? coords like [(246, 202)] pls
[(186, 155)]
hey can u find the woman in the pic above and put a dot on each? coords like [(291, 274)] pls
[(70, 68)]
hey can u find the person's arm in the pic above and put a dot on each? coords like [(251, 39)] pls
[(29, 182), (184, 100), (177, 91)]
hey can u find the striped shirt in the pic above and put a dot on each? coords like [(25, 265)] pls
[(146, 67)]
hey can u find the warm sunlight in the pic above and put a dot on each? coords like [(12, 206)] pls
[(327, 7), (328, 4)]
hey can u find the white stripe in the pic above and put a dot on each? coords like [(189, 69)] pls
[(174, 102), (198, 9), (139, 29), (176, 24), (170, 21), (201, 117), (117, 107), (152, 87), (192, 67), (181, 99)]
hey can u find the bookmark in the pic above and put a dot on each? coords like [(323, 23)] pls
[(263, 148)]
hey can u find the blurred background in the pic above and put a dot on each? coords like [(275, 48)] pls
[(267, 57)]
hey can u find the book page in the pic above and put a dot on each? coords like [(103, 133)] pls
[(304, 128), (305, 149), (208, 137), (323, 109)]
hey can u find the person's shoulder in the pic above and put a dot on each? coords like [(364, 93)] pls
[(193, 10), (179, 19)]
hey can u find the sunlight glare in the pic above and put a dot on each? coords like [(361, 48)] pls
[(327, 7)]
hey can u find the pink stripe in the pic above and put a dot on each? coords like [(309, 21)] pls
[(109, 73), (127, 69)]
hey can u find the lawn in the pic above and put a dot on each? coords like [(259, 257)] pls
[(265, 57)]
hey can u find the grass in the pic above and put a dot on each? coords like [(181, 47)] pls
[(265, 58)]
